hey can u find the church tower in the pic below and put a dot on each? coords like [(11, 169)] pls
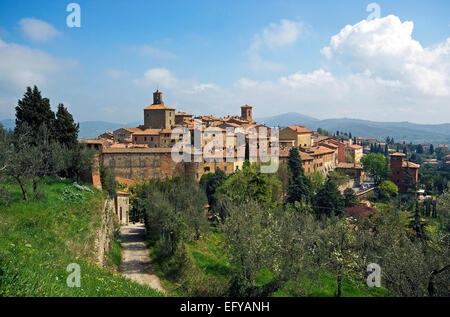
[(246, 113), (157, 115), (157, 98)]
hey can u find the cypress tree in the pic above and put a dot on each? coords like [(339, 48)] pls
[(66, 130), (329, 200), (300, 187), (35, 111), (420, 149)]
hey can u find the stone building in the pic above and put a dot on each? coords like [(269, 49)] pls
[(157, 115), (143, 163), (298, 133), (122, 207), (181, 117), (400, 169), (356, 151), (122, 134)]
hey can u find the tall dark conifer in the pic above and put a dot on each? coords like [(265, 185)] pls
[(66, 130), (300, 187), (35, 111), (329, 200)]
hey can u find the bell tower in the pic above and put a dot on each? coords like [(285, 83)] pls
[(157, 98), (246, 113)]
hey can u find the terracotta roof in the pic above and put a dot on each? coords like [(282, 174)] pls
[(284, 152), (299, 129), (410, 164), (231, 124), (158, 107), (355, 146), (126, 181), (329, 144), (130, 129), (398, 154), (208, 118), (183, 114), (321, 150), (118, 145), (147, 132)]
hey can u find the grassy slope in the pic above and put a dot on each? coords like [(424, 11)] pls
[(208, 256), (40, 238)]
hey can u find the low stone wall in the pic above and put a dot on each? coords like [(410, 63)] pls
[(105, 233)]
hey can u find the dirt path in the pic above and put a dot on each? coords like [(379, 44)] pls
[(136, 263)]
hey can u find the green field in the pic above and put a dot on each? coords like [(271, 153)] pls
[(39, 238)]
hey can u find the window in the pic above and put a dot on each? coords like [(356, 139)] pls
[(206, 169), (128, 176), (142, 175), (151, 138), (142, 163), (156, 175), (112, 163), (225, 168), (145, 138), (135, 139), (128, 163), (156, 163), (166, 175)]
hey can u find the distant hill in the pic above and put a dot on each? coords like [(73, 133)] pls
[(92, 129), (400, 131), (289, 118), (88, 129), (8, 124)]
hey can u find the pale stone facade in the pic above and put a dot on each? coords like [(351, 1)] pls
[(298, 133), (122, 207)]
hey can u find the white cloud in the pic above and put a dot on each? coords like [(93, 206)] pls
[(37, 30), (386, 48), (200, 88), (21, 66), (274, 36), (157, 77), (316, 78)]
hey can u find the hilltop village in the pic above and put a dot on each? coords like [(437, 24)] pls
[(228, 213), (144, 152)]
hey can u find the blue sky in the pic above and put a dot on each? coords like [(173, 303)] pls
[(213, 56)]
